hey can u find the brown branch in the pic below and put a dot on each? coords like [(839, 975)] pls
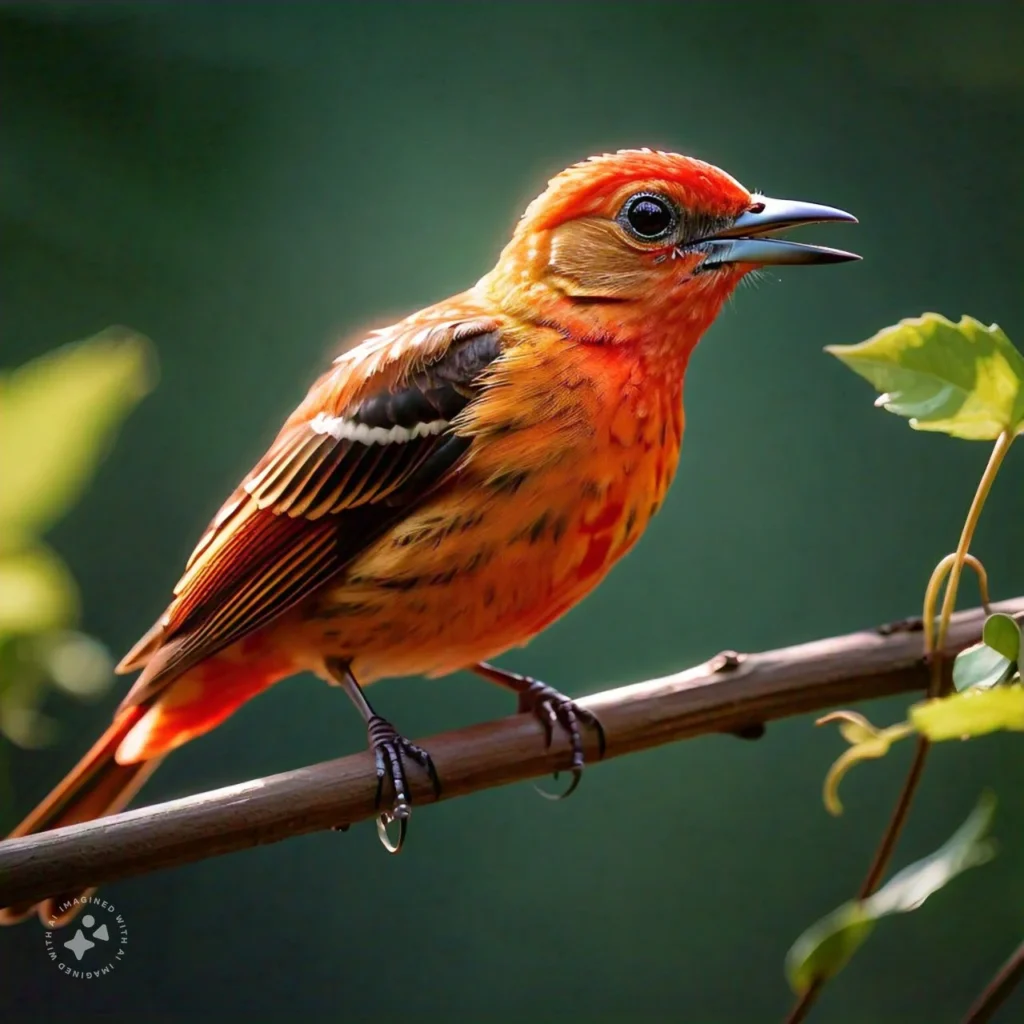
[(998, 989), (728, 694), (891, 836)]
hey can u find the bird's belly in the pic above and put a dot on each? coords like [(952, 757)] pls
[(478, 571)]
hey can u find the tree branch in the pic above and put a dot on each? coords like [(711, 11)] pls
[(998, 989), (728, 694)]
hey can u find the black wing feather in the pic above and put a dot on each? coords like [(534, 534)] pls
[(438, 392)]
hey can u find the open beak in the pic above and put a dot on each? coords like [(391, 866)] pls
[(746, 239)]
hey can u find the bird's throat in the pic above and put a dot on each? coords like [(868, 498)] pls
[(660, 330)]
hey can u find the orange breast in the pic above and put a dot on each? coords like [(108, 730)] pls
[(530, 528)]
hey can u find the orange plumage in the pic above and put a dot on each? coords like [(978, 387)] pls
[(455, 483)]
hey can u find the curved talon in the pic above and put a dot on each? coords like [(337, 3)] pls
[(569, 715), (383, 820), (389, 749), (545, 713), (577, 774), (551, 708)]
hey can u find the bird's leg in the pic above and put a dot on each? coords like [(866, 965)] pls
[(389, 748), (552, 708)]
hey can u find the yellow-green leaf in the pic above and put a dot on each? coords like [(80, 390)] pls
[(971, 713), (30, 664), (37, 592), (827, 946), (74, 662), (964, 379), (58, 414)]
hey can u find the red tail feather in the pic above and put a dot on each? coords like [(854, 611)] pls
[(96, 786)]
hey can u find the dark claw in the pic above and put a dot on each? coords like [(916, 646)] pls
[(389, 748), (544, 712), (577, 774), (551, 708)]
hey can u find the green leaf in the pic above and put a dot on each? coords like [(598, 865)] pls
[(1002, 634), (30, 665), (74, 662), (971, 713), (826, 947), (963, 379), (980, 666), (966, 848), (37, 592), (58, 414)]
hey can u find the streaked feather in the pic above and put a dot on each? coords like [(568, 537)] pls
[(346, 465)]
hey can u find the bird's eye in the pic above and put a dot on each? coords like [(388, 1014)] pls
[(648, 217)]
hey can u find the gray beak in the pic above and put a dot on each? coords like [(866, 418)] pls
[(746, 239)]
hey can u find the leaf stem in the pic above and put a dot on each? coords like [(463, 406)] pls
[(887, 844), (803, 1005), (999, 450), (931, 595), (934, 643)]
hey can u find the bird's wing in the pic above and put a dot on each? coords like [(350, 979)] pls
[(376, 433)]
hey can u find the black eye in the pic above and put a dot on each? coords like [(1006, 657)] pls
[(648, 217)]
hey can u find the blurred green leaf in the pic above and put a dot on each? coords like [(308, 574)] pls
[(58, 414), (980, 666), (37, 592), (971, 713), (75, 663), (827, 946), (31, 664), (1002, 634), (966, 848), (964, 379)]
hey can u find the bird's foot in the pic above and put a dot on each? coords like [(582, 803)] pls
[(553, 709), (389, 749)]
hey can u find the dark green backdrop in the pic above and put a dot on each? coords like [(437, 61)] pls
[(247, 183)]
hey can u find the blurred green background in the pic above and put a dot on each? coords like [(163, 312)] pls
[(248, 184)]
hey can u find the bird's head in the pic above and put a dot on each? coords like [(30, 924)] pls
[(638, 240)]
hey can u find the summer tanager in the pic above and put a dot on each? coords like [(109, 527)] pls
[(456, 482)]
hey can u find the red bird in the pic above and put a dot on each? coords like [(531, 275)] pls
[(456, 482)]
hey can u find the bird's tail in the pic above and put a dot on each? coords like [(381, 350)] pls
[(96, 786)]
